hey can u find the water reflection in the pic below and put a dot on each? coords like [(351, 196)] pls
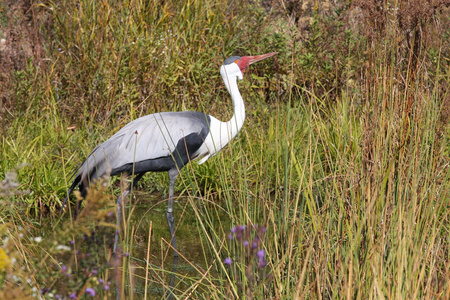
[(164, 274), (145, 255)]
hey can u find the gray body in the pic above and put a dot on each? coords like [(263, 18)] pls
[(153, 143)]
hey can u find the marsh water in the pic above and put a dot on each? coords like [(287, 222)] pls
[(149, 212), (145, 250)]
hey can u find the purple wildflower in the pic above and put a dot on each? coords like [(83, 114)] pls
[(233, 230), (227, 261), (245, 243), (261, 254), (255, 242), (90, 291), (230, 236), (262, 263), (73, 296), (239, 230), (63, 269)]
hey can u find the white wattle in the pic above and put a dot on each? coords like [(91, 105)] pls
[(221, 133)]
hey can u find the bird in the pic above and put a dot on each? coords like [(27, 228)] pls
[(166, 142)]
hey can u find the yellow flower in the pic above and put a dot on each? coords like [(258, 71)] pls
[(5, 262)]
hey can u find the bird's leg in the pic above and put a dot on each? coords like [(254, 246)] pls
[(173, 173), (170, 294), (119, 202), (119, 216)]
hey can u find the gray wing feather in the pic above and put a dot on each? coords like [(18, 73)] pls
[(149, 137)]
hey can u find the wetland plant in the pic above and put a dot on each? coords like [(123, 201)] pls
[(247, 261)]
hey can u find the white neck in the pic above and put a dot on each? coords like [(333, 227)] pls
[(230, 75), (221, 133)]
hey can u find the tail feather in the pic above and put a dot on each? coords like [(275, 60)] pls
[(83, 176), (90, 170), (75, 182)]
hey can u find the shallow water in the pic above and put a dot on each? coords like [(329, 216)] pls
[(150, 211), (145, 212)]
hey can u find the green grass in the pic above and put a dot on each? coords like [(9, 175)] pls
[(345, 164)]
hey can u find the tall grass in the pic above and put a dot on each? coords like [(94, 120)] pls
[(339, 224), (340, 175)]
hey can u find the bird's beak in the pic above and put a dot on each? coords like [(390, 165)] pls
[(256, 58), (246, 61)]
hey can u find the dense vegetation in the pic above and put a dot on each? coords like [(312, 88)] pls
[(340, 176)]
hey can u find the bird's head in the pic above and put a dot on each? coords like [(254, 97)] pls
[(236, 65)]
